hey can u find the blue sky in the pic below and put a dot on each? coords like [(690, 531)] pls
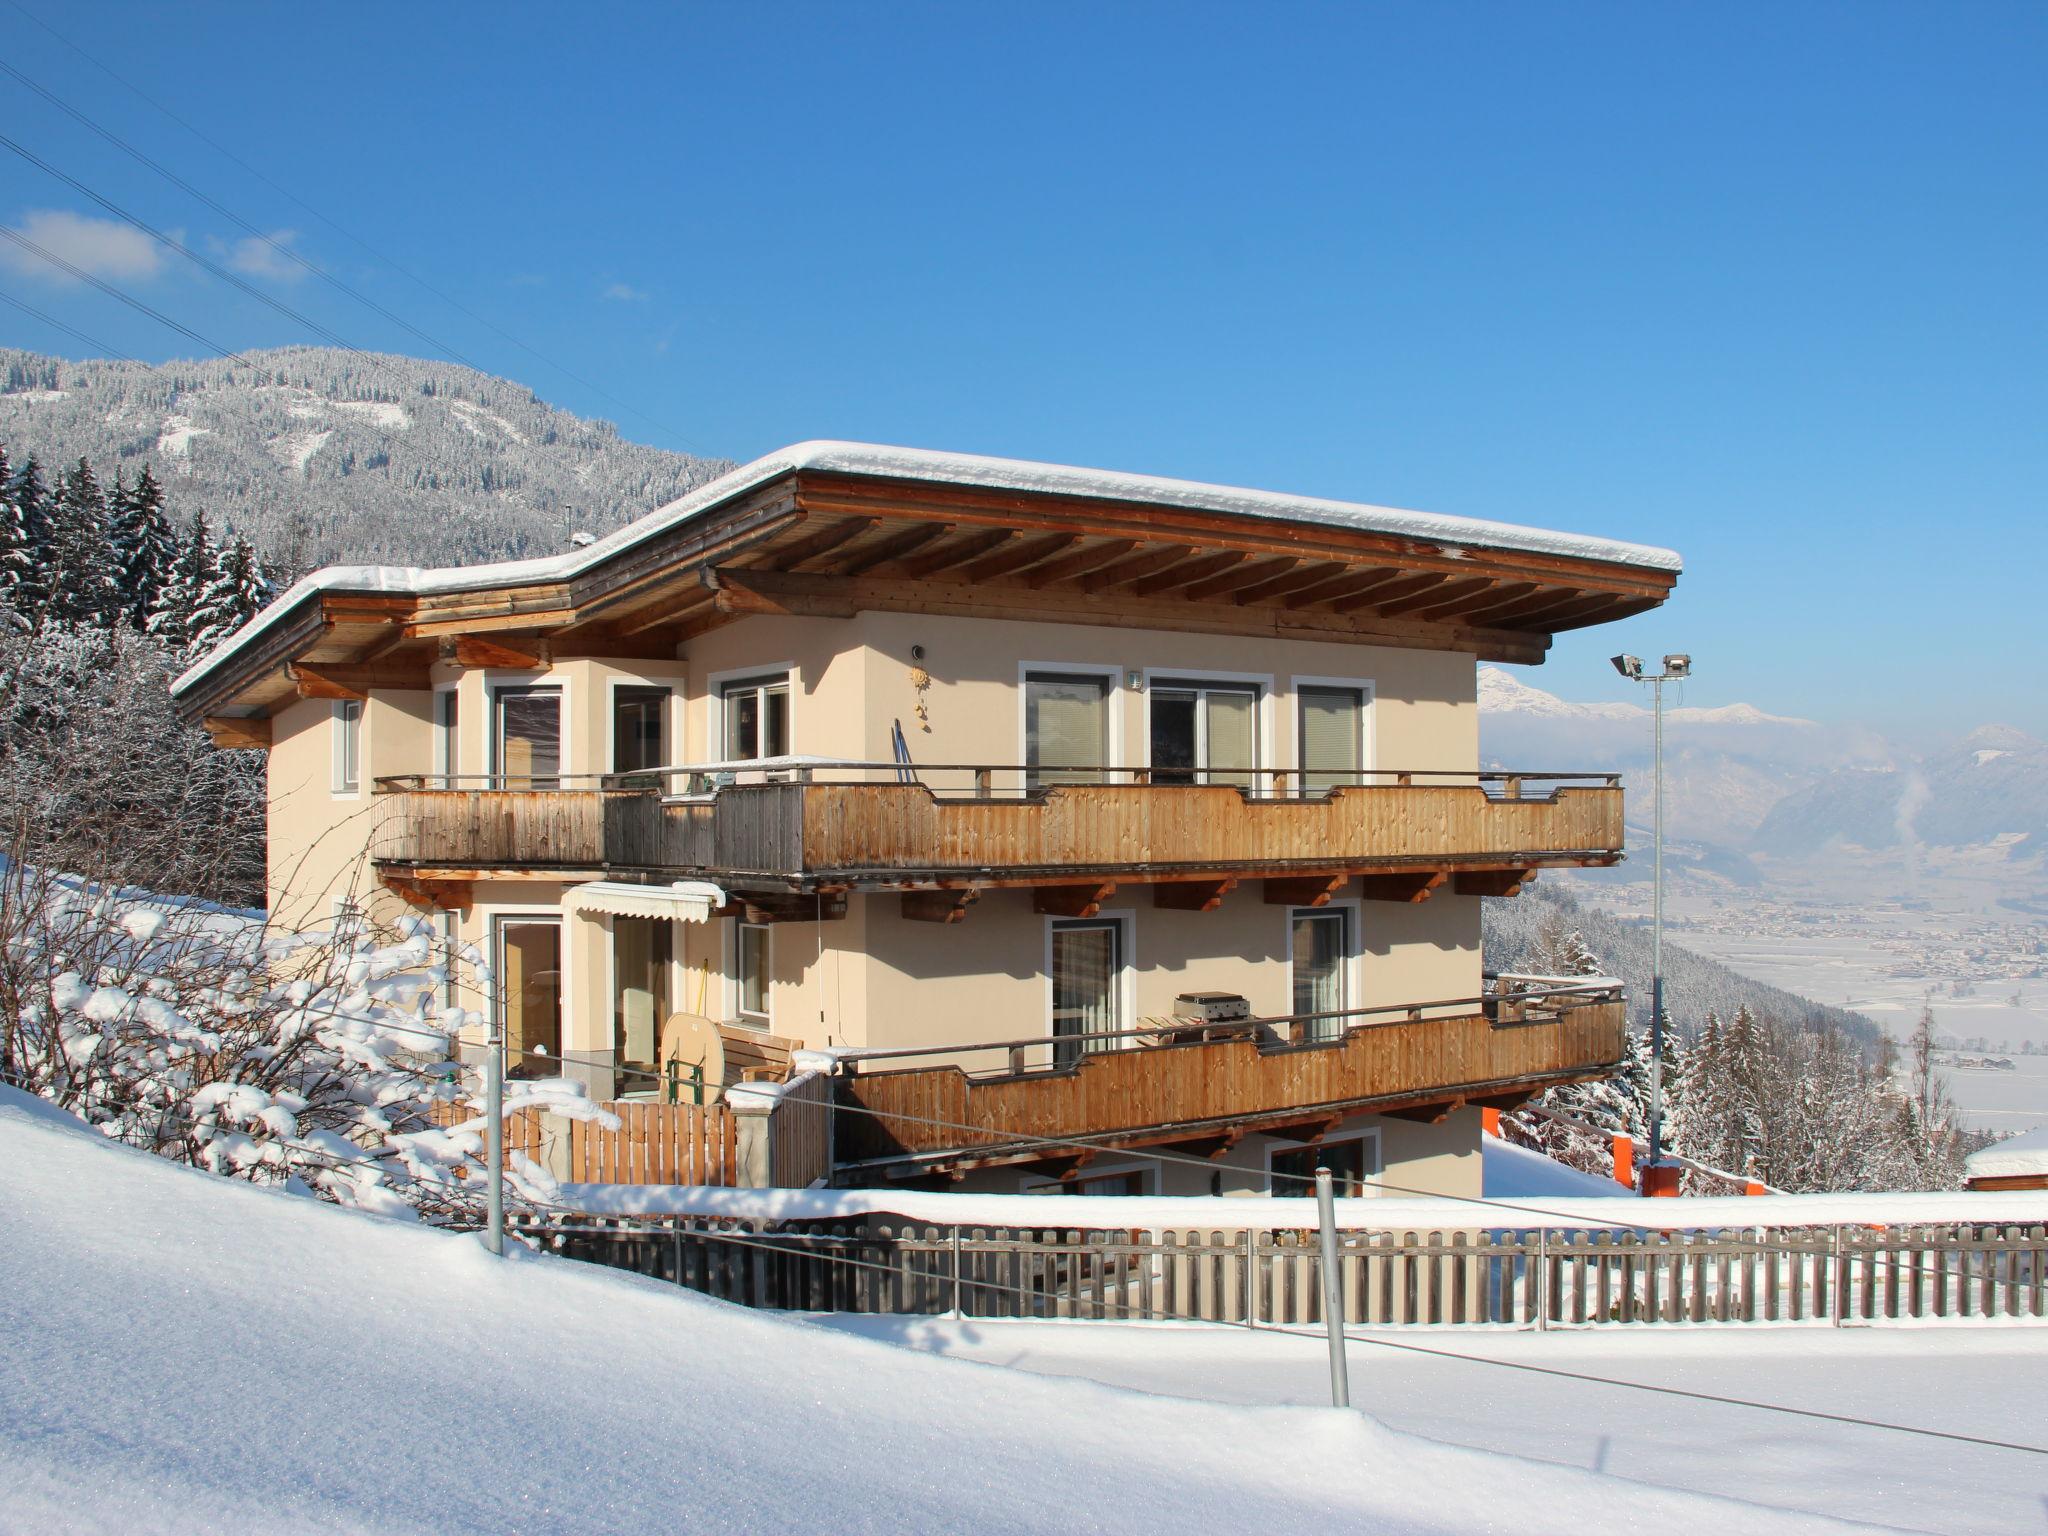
[(1765, 284)]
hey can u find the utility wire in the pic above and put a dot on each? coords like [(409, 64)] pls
[(783, 1246), (357, 240), (70, 330)]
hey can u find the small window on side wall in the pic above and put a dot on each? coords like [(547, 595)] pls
[(750, 974), (756, 717), (348, 746)]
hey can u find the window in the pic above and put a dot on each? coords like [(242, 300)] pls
[(1122, 1181), (1066, 728), (1332, 737), (639, 730), (1087, 975), (756, 717), (750, 973), (641, 951), (1204, 733), (447, 932), (526, 737), (1353, 1161), (1321, 949), (348, 746), (448, 735), (529, 1001)]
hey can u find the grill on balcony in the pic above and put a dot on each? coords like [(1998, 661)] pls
[(807, 826)]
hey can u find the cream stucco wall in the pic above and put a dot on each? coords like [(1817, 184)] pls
[(874, 978)]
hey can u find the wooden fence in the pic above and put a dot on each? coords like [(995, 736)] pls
[(654, 1144), (1533, 1279)]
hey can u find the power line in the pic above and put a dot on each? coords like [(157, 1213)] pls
[(783, 1244), (69, 330), (278, 246), (357, 240)]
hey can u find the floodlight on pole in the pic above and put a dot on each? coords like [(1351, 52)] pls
[(1676, 668)]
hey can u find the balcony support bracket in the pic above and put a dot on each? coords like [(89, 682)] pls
[(793, 906), (1408, 888), (1072, 900), (1193, 895), (938, 906), (1304, 891)]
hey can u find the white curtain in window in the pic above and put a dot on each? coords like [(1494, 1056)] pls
[(1066, 726), (1332, 736)]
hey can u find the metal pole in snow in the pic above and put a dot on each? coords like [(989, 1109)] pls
[(494, 1135), (1657, 946), (1333, 1292)]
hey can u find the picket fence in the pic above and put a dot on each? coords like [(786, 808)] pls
[(1524, 1279)]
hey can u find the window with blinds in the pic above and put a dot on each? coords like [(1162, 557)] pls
[(527, 737), (1332, 737), (1087, 964), (1066, 728)]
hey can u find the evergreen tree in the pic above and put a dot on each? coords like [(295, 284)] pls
[(234, 590), (1614, 1104), (84, 576), (146, 545), (32, 581), (171, 620), (14, 550)]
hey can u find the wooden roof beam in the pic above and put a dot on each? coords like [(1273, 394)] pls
[(1090, 558), (795, 554), (1020, 556), (1186, 573), (1392, 592), (1248, 574), (895, 547), (1290, 581), (523, 654), (1137, 566), (1354, 584), (967, 547), (233, 733), (1492, 595), (1471, 586), (345, 681)]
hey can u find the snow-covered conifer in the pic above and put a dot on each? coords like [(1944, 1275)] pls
[(146, 545)]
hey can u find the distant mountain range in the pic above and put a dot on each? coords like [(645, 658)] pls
[(321, 455), (1745, 784)]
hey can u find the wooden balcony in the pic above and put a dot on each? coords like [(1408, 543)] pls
[(844, 828), (1190, 1086)]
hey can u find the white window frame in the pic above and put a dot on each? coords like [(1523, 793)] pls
[(1368, 720), (346, 741), (610, 748), (1352, 909), (445, 765), (1261, 684), (714, 702), (1375, 1181), (1113, 700), (448, 934), (765, 1022), (1127, 968), (498, 682)]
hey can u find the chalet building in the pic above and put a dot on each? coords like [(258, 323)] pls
[(1060, 806)]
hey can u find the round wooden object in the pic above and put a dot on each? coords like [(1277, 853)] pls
[(691, 1040)]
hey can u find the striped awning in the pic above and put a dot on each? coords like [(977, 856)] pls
[(686, 901)]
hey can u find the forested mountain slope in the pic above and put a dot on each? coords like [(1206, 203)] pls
[(321, 455)]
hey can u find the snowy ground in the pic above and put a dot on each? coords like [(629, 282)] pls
[(183, 1353), (1984, 1382)]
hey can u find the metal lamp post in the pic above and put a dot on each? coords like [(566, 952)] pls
[(1676, 668)]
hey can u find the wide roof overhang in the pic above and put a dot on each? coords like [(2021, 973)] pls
[(836, 529)]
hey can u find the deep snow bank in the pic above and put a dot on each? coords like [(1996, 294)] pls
[(184, 1353)]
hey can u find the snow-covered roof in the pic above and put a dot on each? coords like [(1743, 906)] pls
[(2017, 1157), (918, 464)]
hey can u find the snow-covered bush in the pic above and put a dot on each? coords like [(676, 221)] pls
[(320, 1060)]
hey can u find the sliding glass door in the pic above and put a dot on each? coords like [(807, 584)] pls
[(642, 948), (1087, 995), (529, 956)]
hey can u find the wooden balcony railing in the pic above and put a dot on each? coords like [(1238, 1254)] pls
[(1183, 1083), (843, 826)]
